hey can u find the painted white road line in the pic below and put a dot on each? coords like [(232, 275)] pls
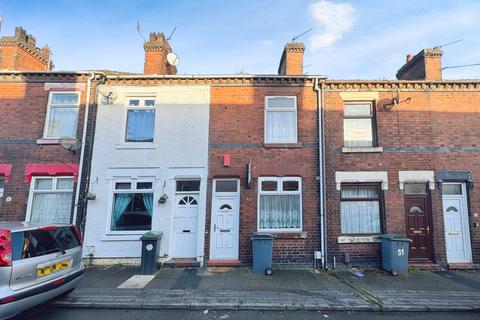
[(137, 282)]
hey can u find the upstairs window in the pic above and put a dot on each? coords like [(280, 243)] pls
[(140, 120), (360, 209), (280, 119), (62, 115), (358, 125), (280, 204)]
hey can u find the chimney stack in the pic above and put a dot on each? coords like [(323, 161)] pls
[(291, 63), (426, 65), (21, 54), (156, 50)]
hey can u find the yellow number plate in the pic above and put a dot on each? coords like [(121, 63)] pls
[(45, 271)]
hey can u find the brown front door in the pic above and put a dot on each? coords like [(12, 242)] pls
[(419, 226)]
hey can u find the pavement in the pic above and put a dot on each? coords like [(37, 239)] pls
[(120, 287)]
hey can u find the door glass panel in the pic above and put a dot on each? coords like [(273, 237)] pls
[(225, 207), (226, 186), (452, 189), (415, 209), (452, 209), (187, 200), (415, 188), (188, 185)]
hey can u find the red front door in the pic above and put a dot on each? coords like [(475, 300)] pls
[(419, 227)]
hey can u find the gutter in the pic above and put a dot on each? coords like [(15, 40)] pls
[(321, 167)]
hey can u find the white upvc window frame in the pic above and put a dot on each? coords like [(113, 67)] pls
[(133, 189), (50, 106), (280, 191), (53, 190), (274, 109), (141, 106), (371, 117)]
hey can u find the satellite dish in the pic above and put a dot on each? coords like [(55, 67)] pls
[(70, 144), (108, 93), (172, 59)]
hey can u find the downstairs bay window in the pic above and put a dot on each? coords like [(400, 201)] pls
[(279, 204), (360, 209), (50, 199), (132, 206)]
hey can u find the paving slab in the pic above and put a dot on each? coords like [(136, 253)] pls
[(416, 281)]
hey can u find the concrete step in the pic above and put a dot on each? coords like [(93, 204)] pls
[(182, 263)]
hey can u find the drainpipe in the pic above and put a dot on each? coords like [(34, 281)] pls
[(321, 167), (82, 150)]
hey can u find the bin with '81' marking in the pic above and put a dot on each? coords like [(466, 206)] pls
[(395, 253)]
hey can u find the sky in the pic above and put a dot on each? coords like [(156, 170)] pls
[(356, 39)]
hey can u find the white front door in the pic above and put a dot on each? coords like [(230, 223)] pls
[(455, 215), (225, 219), (185, 226)]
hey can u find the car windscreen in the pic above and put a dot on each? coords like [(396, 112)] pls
[(35, 243)]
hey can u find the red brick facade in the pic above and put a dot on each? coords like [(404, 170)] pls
[(237, 129), (434, 128), (23, 105)]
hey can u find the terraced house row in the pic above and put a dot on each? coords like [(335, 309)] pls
[(325, 165)]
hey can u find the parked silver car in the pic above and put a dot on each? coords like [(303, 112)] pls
[(37, 263)]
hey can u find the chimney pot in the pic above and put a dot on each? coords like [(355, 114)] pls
[(409, 57)]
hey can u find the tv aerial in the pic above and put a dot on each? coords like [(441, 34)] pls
[(108, 93), (301, 34)]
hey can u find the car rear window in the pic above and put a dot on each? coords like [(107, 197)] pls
[(35, 243)]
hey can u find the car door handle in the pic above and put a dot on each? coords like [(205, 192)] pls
[(186, 231)]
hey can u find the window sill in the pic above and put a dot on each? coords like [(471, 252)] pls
[(282, 145), (362, 149), (359, 239), (53, 140), (136, 145), (290, 235), (121, 237)]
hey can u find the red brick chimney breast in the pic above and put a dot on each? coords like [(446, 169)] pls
[(156, 50), (425, 65), (291, 63), (21, 54)]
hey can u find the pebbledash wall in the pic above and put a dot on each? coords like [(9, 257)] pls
[(238, 150), (179, 151), (26, 150), (432, 133)]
